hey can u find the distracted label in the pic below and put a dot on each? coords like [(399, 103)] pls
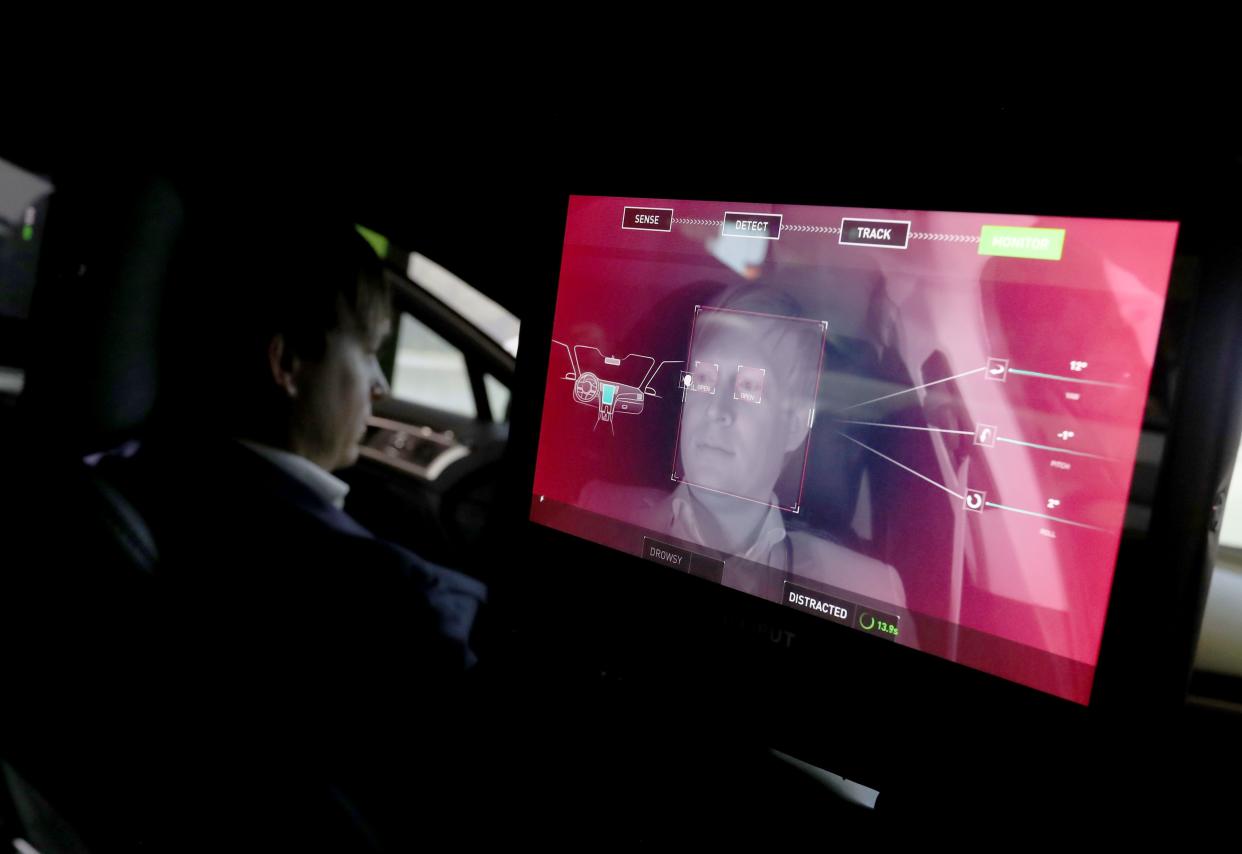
[(819, 604)]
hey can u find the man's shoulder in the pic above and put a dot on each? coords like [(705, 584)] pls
[(222, 497)]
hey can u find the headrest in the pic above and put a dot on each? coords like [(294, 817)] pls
[(93, 370)]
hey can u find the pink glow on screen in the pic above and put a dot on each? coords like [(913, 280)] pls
[(944, 434)]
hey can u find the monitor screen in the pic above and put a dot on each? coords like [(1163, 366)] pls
[(23, 209), (918, 425)]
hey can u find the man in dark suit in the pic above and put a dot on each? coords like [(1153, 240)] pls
[(316, 674)]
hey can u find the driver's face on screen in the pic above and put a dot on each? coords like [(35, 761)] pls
[(735, 441)]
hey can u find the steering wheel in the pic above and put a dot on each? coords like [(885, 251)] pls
[(586, 388)]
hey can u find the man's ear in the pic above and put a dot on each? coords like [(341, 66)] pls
[(797, 426), (283, 364)]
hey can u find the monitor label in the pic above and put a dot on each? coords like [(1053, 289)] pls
[(759, 225), (887, 233), (1018, 242), (684, 560), (647, 219), (658, 552), (820, 604)]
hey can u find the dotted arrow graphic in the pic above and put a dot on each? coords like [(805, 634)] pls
[(684, 221), (947, 238), (810, 229)]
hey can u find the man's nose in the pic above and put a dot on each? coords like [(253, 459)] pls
[(720, 407)]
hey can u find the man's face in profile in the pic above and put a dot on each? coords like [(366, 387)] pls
[(735, 441), (335, 394)]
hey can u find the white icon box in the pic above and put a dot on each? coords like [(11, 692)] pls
[(975, 500), (844, 232), (768, 232), (749, 385), (702, 379), (985, 435), (625, 215), (998, 369)]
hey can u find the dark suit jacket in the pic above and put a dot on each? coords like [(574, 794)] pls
[(313, 672)]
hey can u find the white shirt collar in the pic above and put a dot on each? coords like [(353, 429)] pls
[(763, 550), (331, 489)]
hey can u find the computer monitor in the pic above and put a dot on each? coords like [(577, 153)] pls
[(890, 438), (23, 210)]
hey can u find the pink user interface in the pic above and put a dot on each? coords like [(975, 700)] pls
[(917, 424)]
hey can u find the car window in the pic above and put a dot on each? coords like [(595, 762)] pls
[(24, 200), (429, 370), (426, 368), (23, 204), (493, 319), (1231, 529)]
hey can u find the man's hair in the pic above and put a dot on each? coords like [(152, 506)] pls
[(237, 289), (338, 283)]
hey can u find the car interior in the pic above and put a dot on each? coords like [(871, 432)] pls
[(1024, 412)]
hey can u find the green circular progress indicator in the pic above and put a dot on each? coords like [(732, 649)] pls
[(883, 624)]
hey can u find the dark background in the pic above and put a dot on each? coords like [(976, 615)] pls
[(409, 162)]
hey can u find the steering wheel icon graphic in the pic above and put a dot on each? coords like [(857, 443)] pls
[(586, 388)]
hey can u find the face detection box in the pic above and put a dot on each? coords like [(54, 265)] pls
[(749, 393)]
